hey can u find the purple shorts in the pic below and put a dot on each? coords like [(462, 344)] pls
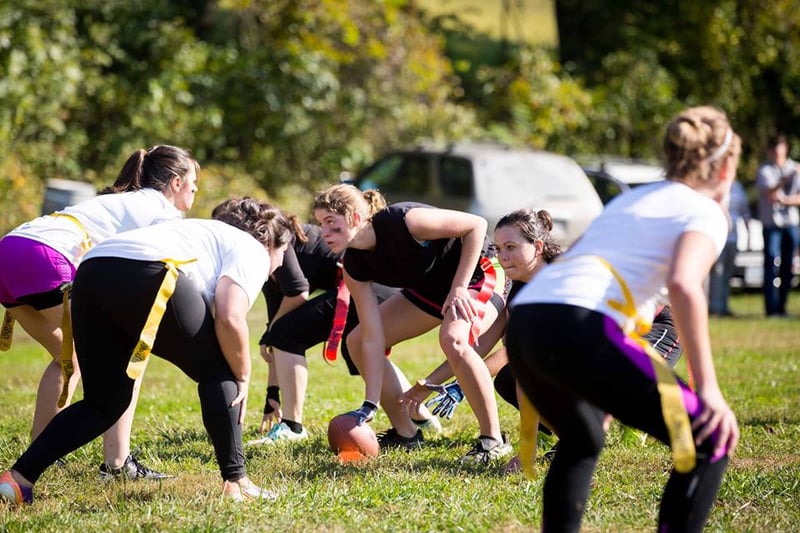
[(31, 273)]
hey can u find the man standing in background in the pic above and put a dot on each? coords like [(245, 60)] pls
[(778, 200)]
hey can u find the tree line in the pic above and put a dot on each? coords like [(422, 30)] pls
[(276, 97)]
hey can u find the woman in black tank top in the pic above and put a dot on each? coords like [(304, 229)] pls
[(434, 255)]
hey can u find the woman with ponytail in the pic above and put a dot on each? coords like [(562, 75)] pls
[(38, 261), (189, 284), (440, 259), (575, 331)]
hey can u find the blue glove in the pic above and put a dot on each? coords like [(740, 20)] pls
[(450, 395), (365, 413)]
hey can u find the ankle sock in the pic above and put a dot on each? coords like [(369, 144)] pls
[(296, 427)]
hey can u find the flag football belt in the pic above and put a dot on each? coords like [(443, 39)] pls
[(485, 293), (67, 368), (331, 347), (528, 428), (672, 408), (86, 243), (144, 345), (7, 329)]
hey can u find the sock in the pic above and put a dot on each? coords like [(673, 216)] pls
[(296, 427)]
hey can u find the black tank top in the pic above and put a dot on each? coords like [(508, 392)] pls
[(400, 260)]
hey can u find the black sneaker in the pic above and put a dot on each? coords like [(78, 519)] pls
[(391, 439), (486, 450), (133, 469), (549, 454)]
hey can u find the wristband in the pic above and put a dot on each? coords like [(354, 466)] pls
[(273, 393)]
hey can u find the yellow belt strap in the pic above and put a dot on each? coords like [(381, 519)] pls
[(147, 338), (528, 428), (86, 243), (67, 368), (672, 409), (6, 331)]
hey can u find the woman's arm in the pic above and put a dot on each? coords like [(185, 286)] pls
[(230, 324), (289, 304), (429, 224), (692, 259)]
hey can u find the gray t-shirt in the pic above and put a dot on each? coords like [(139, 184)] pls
[(775, 214)]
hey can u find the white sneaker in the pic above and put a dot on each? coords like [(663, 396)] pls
[(280, 432), (252, 492), (487, 450), (431, 425)]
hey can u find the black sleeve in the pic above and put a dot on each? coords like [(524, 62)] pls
[(289, 276)]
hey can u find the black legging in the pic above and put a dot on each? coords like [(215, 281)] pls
[(110, 302), (573, 380)]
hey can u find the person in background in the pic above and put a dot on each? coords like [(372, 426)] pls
[(719, 285), (574, 333), (188, 285), (153, 186), (778, 199)]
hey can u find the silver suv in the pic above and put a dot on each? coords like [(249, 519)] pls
[(490, 181)]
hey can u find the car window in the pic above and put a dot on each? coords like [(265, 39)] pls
[(534, 176), (397, 173), (455, 177), (606, 188)]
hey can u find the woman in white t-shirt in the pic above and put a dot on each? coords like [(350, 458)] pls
[(573, 330), (217, 268), (153, 186)]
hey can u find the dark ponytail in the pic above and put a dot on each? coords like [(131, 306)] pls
[(153, 169)]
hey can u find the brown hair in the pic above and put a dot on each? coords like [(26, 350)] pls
[(533, 225), (264, 222), (347, 200), (697, 142), (153, 169)]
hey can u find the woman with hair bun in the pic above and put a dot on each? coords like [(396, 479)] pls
[(188, 286), (574, 334), (154, 185), (439, 258)]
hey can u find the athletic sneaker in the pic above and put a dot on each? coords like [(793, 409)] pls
[(12, 492), (486, 449), (280, 432), (252, 492), (431, 425), (133, 470), (391, 439)]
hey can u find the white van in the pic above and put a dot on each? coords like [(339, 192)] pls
[(490, 181)]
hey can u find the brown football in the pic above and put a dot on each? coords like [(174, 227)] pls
[(349, 440)]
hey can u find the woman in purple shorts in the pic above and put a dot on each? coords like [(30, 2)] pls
[(655, 241), (153, 186)]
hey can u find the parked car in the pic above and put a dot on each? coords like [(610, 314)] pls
[(613, 176), (488, 180)]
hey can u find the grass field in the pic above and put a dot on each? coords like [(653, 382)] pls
[(430, 490)]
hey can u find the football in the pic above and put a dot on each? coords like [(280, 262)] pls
[(350, 441)]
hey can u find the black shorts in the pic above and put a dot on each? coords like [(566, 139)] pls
[(311, 323)]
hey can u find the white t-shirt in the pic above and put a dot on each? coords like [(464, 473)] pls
[(219, 249), (636, 233), (101, 217)]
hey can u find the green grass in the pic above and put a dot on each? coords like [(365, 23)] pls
[(757, 362)]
